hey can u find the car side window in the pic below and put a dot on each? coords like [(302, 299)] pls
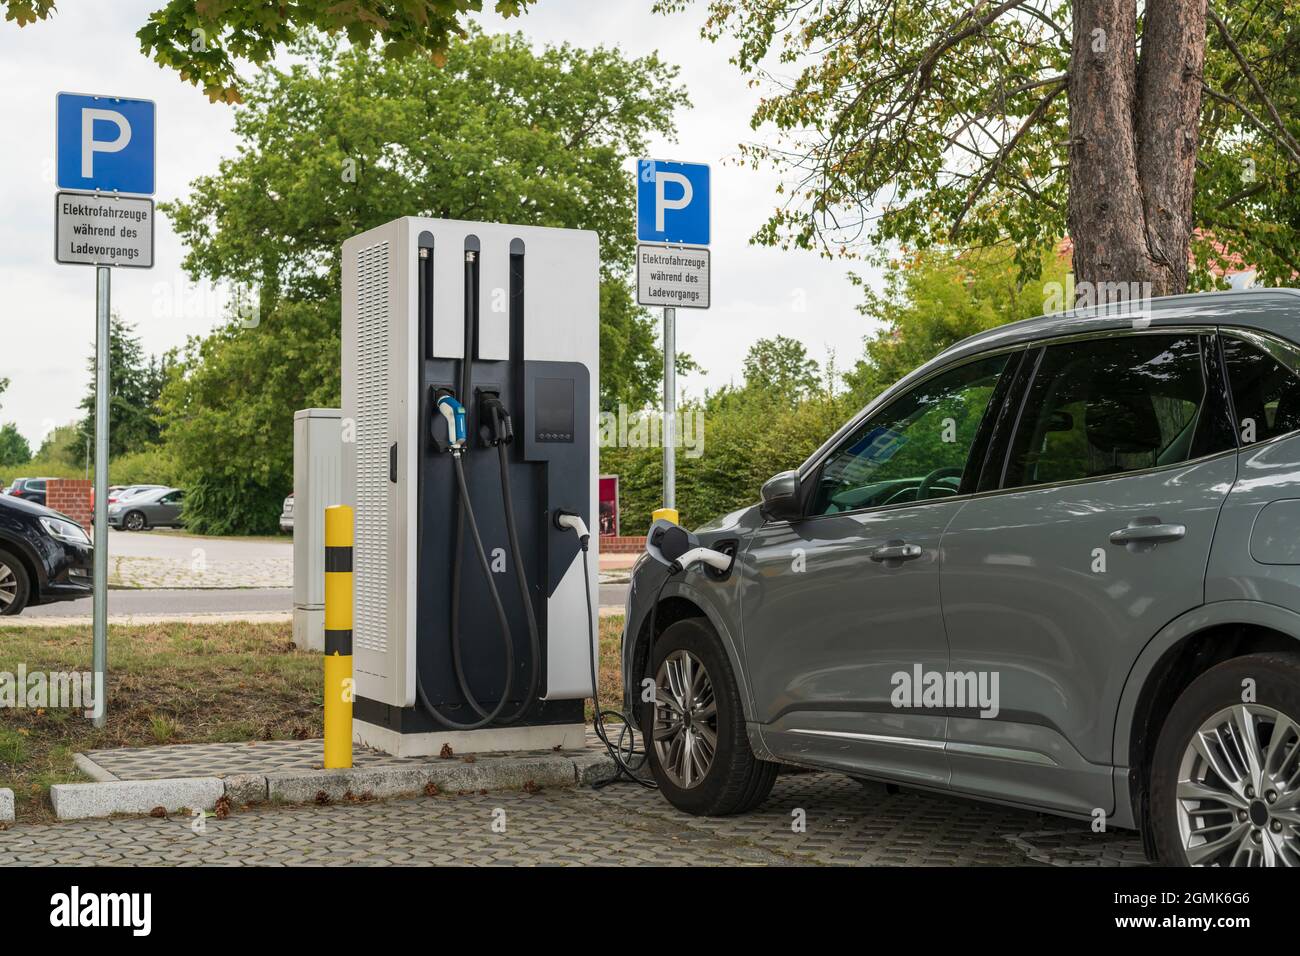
[(1265, 392), (913, 449), (1104, 407)]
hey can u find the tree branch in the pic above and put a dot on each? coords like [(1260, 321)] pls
[(1030, 121), (1247, 112), (1293, 146), (1240, 196)]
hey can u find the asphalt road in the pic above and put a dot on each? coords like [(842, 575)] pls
[(167, 601)]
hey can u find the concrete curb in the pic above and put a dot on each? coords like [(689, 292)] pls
[(6, 805), (79, 801), (85, 801), (93, 770), (452, 776)]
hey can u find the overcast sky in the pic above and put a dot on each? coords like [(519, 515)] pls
[(90, 47)]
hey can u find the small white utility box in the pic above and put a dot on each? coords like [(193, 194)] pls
[(317, 484)]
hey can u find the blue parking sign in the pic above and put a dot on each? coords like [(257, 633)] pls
[(672, 202), (104, 143)]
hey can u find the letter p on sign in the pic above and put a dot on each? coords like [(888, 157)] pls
[(90, 145), (662, 202), (104, 143)]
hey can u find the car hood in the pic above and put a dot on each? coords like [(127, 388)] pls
[(31, 507)]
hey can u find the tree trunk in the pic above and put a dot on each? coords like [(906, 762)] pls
[(1133, 138)]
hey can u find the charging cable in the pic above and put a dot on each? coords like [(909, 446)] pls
[(454, 412), (625, 750)]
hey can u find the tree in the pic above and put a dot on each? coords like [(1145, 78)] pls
[(924, 122), (134, 385), (229, 405), (780, 367), (14, 449), (936, 298), (201, 39), (345, 140)]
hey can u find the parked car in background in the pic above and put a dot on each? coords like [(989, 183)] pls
[(128, 491), (286, 516), (44, 556), (28, 489), (156, 508)]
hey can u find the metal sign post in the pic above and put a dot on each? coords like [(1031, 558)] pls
[(673, 211), (670, 407), (104, 153), (100, 654)]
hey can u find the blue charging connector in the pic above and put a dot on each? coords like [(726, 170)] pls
[(454, 412)]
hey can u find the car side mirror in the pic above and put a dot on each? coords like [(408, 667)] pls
[(781, 499)]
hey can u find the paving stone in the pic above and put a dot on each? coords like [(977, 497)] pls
[(618, 825)]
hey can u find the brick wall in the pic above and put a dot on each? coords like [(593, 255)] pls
[(609, 544), (72, 497)]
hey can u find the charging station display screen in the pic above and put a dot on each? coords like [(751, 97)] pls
[(553, 404)]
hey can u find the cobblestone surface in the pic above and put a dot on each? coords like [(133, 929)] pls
[(199, 572), (619, 825)]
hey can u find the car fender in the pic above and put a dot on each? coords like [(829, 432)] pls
[(717, 617), (1198, 619), (34, 560)]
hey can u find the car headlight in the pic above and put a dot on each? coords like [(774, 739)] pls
[(65, 531)]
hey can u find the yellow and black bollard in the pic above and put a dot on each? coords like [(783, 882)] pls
[(338, 637)]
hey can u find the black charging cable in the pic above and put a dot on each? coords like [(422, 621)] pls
[(487, 716), (501, 433), (625, 750)]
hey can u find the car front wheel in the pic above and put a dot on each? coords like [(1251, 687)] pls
[(1225, 785), (15, 588), (699, 751), (133, 522)]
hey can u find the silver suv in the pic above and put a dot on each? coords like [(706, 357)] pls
[(1056, 567)]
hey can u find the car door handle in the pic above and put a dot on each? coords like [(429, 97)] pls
[(896, 552), (1150, 532)]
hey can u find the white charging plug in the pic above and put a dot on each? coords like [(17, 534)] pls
[(571, 522), (714, 559)]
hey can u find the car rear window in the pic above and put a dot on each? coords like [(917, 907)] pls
[(1265, 390)]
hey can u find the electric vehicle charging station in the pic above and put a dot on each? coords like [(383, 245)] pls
[(470, 358)]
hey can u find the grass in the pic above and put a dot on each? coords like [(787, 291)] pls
[(178, 683), (168, 683)]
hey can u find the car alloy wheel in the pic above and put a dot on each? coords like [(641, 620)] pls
[(8, 587), (686, 719), (134, 521), (1239, 790)]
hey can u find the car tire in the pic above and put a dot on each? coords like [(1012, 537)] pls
[(1247, 817), (134, 521), (734, 780), (15, 586)]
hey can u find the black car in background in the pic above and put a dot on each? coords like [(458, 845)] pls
[(44, 556), (28, 489)]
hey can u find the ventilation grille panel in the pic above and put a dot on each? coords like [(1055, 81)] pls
[(372, 573)]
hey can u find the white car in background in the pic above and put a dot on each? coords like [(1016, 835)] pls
[(286, 516)]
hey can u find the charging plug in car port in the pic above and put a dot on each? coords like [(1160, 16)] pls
[(728, 547)]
